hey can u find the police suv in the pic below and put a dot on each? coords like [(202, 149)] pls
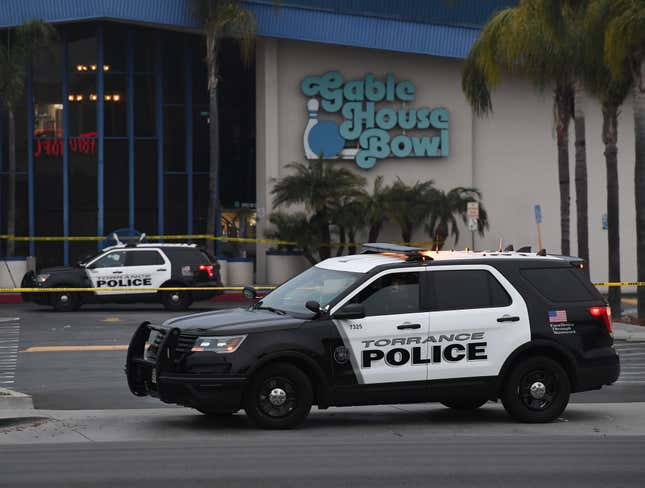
[(391, 325), (130, 265)]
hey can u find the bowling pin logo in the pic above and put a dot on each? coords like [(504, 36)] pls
[(322, 139)]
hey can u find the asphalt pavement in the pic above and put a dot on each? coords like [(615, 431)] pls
[(411, 445), (72, 361)]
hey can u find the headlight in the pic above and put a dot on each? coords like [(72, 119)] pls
[(221, 345), (41, 278)]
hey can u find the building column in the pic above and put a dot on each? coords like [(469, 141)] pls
[(130, 125), (188, 106), (65, 89), (159, 125), (267, 146), (100, 130)]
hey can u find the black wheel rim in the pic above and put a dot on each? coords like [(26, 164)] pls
[(273, 404), (539, 389)]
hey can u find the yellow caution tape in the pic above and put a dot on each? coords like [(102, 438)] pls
[(620, 283), (166, 288)]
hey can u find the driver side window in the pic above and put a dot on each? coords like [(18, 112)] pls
[(113, 259), (394, 293)]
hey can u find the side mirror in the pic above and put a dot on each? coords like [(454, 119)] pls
[(250, 292), (314, 306), (350, 311)]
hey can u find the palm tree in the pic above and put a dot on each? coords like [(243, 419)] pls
[(624, 49), (517, 41), (16, 53), (221, 18), (446, 208), (374, 209), (611, 93), (349, 217), (319, 185), (408, 206), (294, 227)]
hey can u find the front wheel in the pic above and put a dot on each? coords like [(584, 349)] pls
[(536, 390), (176, 300), (65, 301), (278, 397)]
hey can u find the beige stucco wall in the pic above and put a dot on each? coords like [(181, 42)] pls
[(510, 156)]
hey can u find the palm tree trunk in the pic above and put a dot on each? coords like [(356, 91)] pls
[(610, 139), (639, 182), (213, 134), (351, 235), (343, 239), (375, 230), (11, 204), (563, 119), (582, 215)]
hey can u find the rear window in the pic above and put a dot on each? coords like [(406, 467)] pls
[(187, 256), (459, 290), (558, 284)]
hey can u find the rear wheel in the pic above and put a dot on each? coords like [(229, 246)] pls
[(176, 300), (278, 397), (536, 390), (65, 301), (465, 404)]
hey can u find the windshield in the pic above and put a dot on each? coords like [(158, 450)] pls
[(319, 284)]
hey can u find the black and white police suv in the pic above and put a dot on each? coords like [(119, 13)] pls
[(130, 265), (391, 325)]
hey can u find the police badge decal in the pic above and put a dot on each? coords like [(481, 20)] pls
[(341, 355)]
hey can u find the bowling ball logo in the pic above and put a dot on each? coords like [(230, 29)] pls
[(322, 137)]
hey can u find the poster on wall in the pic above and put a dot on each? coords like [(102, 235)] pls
[(377, 120)]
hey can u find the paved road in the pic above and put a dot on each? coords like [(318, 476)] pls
[(95, 380), (489, 462)]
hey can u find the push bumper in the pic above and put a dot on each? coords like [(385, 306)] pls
[(159, 378)]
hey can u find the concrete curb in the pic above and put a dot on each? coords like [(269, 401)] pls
[(628, 332), (13, 400)]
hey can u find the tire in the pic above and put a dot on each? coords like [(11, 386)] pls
[(465, 404), (213, 412), (65, 301), (292, 397), (176, 300), (523, 396)]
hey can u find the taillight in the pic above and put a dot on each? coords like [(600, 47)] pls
[(208, 268), (605, 314)]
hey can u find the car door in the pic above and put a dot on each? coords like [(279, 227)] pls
[(387, 345), (146, 268), (477, 319), (105, 271)]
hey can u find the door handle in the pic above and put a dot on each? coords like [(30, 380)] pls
[(161, 269), (508, 318), (117, 272), (408, 326)]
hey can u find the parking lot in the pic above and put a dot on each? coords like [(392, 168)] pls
[(75, 360)]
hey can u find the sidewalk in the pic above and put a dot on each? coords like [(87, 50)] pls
[(628, 332)]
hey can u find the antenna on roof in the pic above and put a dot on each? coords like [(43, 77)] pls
[(509, 248), (524, 249), (541, 252), (116, 239), (142, 237)]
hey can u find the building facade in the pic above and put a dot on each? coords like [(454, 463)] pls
[(374, 85)]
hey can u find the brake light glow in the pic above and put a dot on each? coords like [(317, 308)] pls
[(208, 268), (605, 314)]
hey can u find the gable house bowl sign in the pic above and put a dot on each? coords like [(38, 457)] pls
[(376, 120)]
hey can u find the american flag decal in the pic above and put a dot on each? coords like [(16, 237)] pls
[(557, 316)]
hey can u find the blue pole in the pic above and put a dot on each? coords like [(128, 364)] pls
[(100, 132), (65, 84), (1, 165), (189, 134), (159, 124), (130, 116), (30, 158)]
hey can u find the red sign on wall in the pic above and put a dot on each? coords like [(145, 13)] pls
[(84, 143)]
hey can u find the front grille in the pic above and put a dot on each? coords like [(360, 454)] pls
[(185, 343)]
